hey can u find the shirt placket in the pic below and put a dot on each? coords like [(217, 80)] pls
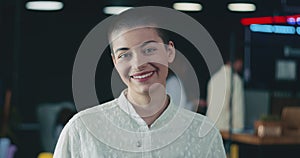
[(144, 141)]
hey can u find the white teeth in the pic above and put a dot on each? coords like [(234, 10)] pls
[(143, 76)]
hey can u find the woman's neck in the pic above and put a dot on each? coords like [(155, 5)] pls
[(149, 106)]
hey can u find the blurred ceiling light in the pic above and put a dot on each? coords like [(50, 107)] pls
[(187, 6), (115, 9), (46, 5), (241, 7)]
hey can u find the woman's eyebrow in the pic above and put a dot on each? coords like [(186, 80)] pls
[(142, 45), (147, 42), (121, 49)]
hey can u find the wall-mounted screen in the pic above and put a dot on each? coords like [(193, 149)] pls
[(286, 70)]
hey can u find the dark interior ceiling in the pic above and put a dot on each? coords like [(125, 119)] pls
[(79, 16), (214, 13)]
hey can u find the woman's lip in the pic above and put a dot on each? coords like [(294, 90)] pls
[(141, 73), (143, 76)]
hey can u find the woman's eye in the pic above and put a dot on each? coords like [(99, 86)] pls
[(149, 50), (124, 55)]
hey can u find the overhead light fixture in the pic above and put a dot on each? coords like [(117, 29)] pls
[(187, 6), (241, 7), (113, 10), (46, 5)]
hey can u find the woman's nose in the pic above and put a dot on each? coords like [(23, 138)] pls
[(139, 61)]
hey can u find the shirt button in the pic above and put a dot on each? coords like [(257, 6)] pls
[(138, 144)]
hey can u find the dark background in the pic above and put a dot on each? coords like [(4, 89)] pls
[(38, 48)]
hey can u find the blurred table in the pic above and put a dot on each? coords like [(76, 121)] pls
[(251, 145), (249, 138)]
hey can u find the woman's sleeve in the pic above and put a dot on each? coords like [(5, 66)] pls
[(216, 147), (68, 144)]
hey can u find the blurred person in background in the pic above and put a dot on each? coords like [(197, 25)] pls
[(238, 103)]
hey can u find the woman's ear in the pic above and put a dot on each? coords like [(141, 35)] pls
[(171, 52)]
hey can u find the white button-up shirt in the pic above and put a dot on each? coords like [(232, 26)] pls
[(114, 129)]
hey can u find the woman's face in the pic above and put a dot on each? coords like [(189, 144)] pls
[(141, 58)]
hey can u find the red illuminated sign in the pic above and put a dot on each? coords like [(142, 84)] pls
[(268, 20)]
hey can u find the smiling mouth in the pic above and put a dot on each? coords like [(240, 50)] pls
[(142, 76)]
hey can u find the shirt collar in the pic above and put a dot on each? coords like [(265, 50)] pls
[(127, 107)]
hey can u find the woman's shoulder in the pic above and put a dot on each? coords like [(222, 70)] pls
[(199, 120), (92, 112)]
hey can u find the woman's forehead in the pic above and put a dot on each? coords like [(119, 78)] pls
[(120, 30), (135, 37)]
